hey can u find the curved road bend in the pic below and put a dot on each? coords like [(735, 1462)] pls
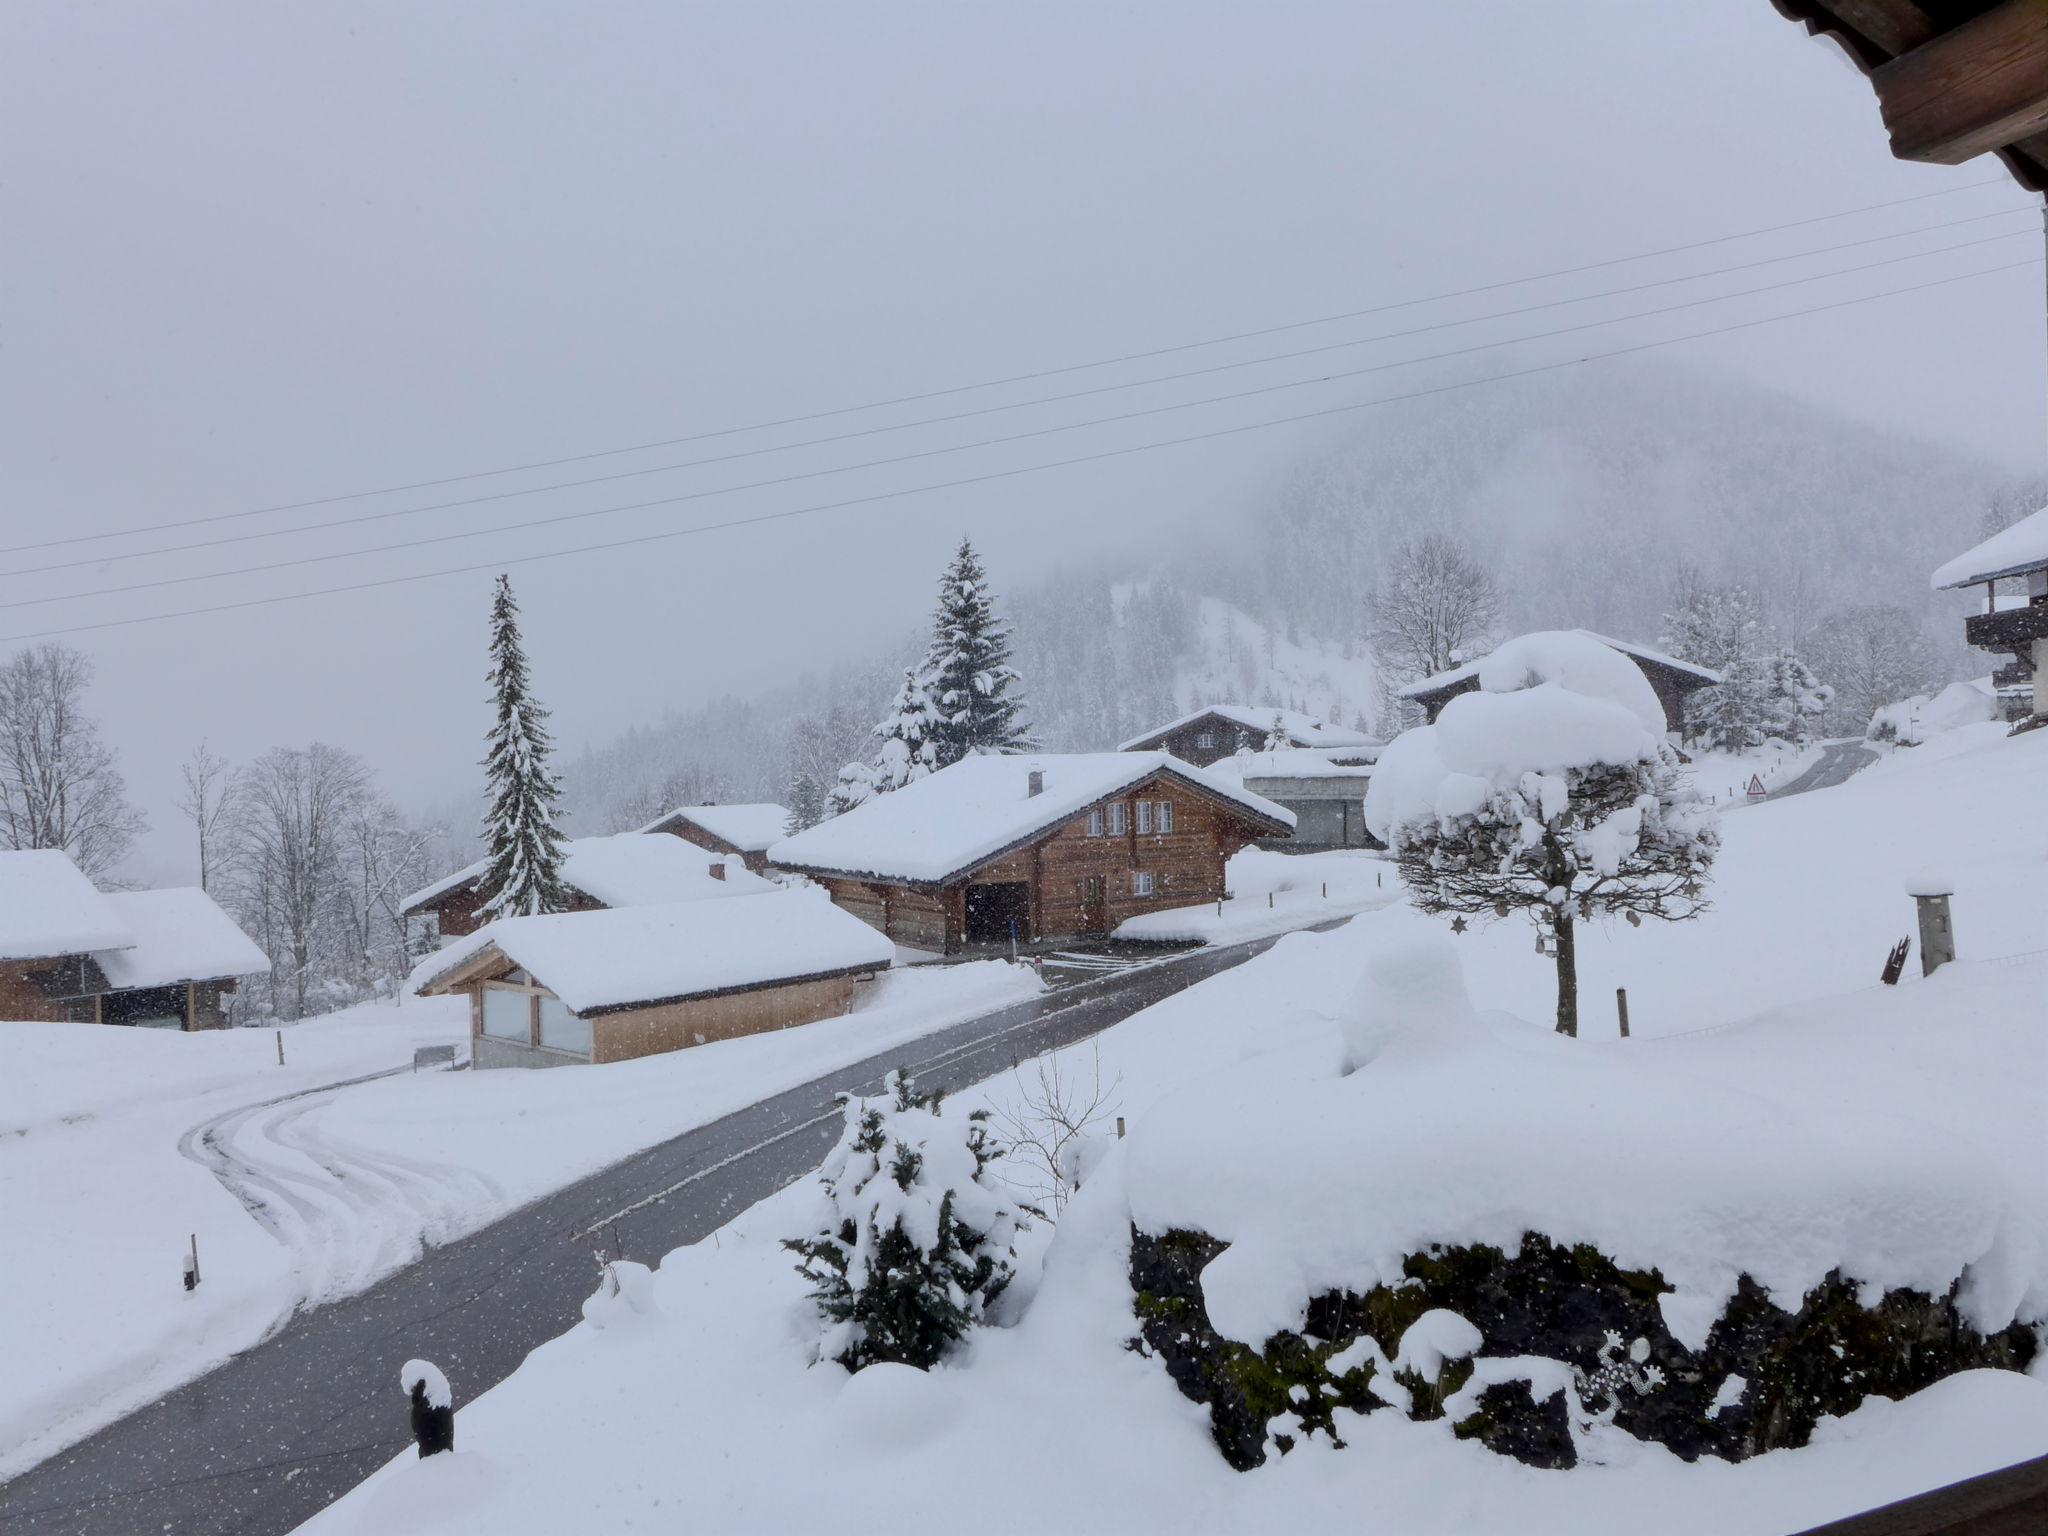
[(1838, 761), (270, 1437)]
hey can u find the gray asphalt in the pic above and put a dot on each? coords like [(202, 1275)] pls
[(1838, 761), (263, 1442), (2009, 1502)]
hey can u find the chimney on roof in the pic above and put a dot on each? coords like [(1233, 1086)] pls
[(1035, 784)]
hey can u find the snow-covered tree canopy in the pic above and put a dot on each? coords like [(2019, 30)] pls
[(1549, 790)]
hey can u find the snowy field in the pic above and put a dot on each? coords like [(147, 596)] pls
[(1273, 893), (116, 1145), (1805, 1114)]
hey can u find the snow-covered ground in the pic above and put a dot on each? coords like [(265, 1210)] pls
[(1723, 777), (117, 1145), (1765, 1014), (1273, 893)]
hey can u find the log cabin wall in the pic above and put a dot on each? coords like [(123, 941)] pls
[(690, 832), (1185, 742), (461, 912), (22, 999), (698, 1021)]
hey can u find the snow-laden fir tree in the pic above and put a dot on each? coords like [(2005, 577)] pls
[(1276, 735), (855, 786), (523, 869), (1550, 791), (968, 669), (911, 1242), (1764, 693), (909, 734), (806, 805)]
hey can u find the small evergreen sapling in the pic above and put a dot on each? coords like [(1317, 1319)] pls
[(912, 1245)]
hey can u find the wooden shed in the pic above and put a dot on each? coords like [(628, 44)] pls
[(610, 985), (1033, 847), (745, 830), (1212, 733), (1673, 680)]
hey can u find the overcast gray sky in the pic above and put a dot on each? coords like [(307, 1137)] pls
[(254, 255)]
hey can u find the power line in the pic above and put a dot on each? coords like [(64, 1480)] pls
[(1018, 378), (392, 514), (928, 453), (1110, 453)]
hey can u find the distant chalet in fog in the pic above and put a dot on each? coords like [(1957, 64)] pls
[(1671, 678), (1042, 846), (1207, 735), (72, 953), (746, 830), (2015, 622), (609, 985), (630, 869)]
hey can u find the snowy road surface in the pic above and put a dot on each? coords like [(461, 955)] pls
[(261, 1443), (1839, 760)]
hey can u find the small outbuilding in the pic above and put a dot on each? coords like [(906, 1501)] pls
[(1322, 787), (1207, 735), (2014, 622), (628, 869), (745, 830), (612, 984), (1673, 680), (1032, 847), (70, 952)]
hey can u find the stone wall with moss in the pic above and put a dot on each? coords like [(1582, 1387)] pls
[(1559, 1303)]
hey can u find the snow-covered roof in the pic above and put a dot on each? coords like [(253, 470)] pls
[(48, 908), (627, 869), (749, 828), (1287, 763), (961, 817), (625, 957), (2022, 547), (1303, 730), (179, 935), (1470, 670)]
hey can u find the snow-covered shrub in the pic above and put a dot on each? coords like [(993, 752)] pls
[(911, 1242), (624, 1298)]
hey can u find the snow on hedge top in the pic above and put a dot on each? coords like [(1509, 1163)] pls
[(628, 869), (1548, 701), (1629, 648), (2020, 548), (48, 908), (179, 935), (1458, 1129), (749, 828), (949, 822), (619, 957), (1302, 730)]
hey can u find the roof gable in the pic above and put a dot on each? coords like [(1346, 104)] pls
[(749, 828), (1303, 730), (627, 869), (980, 808), (2013, 551), (1469, 672)]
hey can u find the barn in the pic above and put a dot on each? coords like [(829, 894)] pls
[(612, 984), (746, 830), (1672, 679), (1032, 847), (624, 870)]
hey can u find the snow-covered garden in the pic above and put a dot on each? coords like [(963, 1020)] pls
[(1787, 1160)]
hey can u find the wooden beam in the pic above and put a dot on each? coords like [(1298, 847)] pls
[(1976, 88)]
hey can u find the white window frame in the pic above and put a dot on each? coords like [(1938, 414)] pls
[(1144, 818), (1141, 882), (1204, 740), (525, 996), (1162, 818), (1095, 822), (1118, 818)]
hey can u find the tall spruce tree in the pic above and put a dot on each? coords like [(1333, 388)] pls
[(806, 805), (524, 873), (969, 675)]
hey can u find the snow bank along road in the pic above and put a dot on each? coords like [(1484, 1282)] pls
[(273, 1435)]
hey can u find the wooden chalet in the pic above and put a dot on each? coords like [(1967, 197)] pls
[(2014, 622), (745, 830), (1672, 679), (628, 869), (153, 959), (613, 984), (1212, 733), (1954, 78), (1033, 847)]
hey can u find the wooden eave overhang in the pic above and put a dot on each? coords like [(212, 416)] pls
[(1045, 829), (1954, 78)]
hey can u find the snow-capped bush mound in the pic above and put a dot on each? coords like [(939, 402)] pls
[(1578, 664), (1320, 1182), (1913, 721), (1413, 994)]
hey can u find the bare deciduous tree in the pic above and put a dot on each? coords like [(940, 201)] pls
[(58, 784), (1871, 654), (687, 785), (207, 801), (1434, 605), (1058, 1110)]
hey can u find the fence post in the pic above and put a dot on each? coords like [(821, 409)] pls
[(280, 1047), (433, 1406), (1621, 1008), (192, 1265), (1119, 1127)]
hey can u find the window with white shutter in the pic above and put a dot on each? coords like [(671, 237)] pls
[(1144, 818), (1141, 882)]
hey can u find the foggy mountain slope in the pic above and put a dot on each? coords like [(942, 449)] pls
[(1583, 490)]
